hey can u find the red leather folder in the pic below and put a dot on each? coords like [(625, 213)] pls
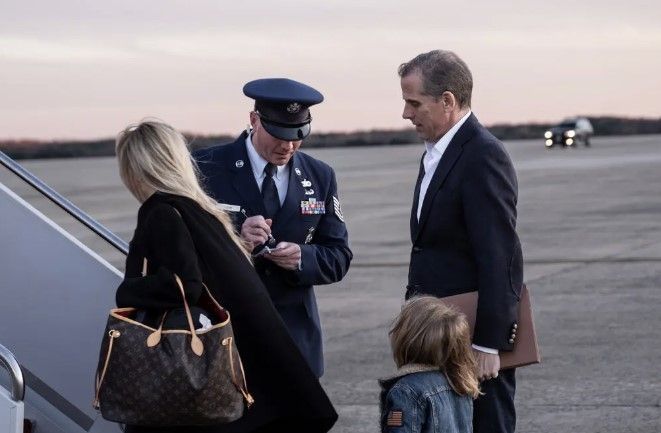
[(525, 350)]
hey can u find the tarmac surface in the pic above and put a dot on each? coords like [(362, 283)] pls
[(590, 226)]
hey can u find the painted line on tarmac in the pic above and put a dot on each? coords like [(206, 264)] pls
[(531, 261), (595, 405), (594, 260)]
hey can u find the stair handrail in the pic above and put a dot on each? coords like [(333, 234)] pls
[(64, 203), (9, 362)]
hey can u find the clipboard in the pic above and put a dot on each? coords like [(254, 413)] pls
[(525, 351)]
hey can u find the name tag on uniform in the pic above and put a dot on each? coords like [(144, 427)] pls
[(229, 207), (313, 207)]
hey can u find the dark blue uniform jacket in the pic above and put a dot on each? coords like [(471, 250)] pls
[(228, 177)]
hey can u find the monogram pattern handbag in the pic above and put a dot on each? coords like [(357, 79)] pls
[(177, 377)]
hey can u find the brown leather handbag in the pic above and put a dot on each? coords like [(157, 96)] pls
[(177, 377)]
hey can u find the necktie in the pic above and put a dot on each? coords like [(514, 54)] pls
[(270, 192)]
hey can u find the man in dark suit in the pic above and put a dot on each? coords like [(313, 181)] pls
[(463, 221), (284, 204)]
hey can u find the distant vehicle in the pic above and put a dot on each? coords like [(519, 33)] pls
[(569, 133)]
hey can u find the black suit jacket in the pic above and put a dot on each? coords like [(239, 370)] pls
[(193, 244), (466, 237), (325, 254)]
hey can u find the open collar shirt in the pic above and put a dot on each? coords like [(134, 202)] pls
[(434, 153)]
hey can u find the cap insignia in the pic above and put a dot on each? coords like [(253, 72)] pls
[(294, 107)]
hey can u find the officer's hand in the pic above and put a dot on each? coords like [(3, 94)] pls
[(488, 365), (256, 230), (286, 255)]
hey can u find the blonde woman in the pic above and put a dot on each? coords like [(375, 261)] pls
[(182, 231), (436, 381)]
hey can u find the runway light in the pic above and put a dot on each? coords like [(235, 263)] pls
[(549, 143), (571, 133), (548, 134), (569, 142)]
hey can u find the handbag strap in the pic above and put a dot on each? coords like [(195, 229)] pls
[(99, 378), (242, 387), (155, 337)]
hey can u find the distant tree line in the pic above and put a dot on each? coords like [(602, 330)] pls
[(66, 149)]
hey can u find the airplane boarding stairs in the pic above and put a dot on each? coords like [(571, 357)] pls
[(55, 294)]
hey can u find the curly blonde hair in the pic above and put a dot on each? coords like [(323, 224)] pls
[(427, 331)]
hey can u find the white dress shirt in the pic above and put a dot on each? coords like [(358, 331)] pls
[(258, 163), (433, 156)]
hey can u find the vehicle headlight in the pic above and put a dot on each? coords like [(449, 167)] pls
[(569, 142), (549, 143), (571, 133), (548, 134)]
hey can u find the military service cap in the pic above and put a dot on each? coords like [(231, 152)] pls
[(283, 106)]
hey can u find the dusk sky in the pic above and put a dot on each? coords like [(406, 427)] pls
[(86, 69)]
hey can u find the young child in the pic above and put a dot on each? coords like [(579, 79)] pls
[(436, 379)]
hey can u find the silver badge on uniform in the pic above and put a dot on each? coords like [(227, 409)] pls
[(309, 192), (306, 183), (239, 163), (338, 208), (308, 238), (298, 171)]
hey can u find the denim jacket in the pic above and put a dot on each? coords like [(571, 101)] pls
[(419, 399)]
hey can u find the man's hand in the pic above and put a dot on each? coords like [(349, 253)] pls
[(286, 255), (256, 230), (487, 365)]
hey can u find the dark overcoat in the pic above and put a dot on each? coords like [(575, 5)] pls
[(193, 244), (466, 237), (325, 254)]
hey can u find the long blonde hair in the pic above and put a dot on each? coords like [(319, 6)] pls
[(153, 156), (427, 331)]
